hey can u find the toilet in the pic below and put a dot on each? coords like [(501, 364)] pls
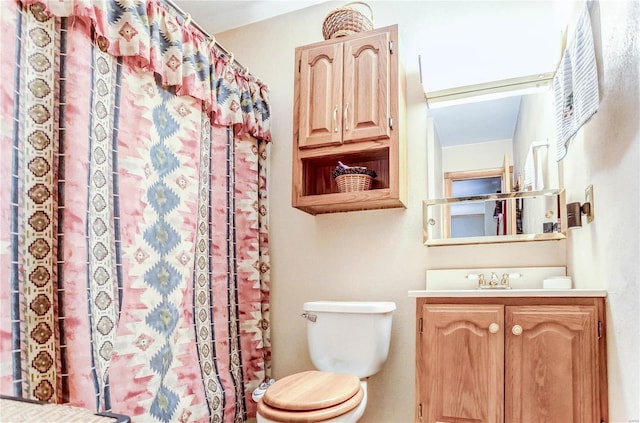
[(348, 342)]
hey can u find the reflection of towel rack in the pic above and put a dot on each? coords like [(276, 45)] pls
[(535, 167), (499, 216)]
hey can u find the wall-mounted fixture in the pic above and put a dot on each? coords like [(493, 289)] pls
[(489, 91), (576, 210)]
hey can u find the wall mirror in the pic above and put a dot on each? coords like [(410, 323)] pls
[(491, 173)]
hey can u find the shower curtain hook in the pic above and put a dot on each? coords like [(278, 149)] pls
[(187, 19), (212, 41)]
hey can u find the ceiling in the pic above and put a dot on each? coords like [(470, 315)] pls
[(490, 120), (216, 16), (455, 125)]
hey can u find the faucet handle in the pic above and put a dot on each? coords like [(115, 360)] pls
[(481, 281), (505, 280), (479, 277)]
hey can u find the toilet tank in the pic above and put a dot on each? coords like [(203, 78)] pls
[(349, 336)]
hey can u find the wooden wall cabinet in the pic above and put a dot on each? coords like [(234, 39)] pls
[(349, 107), (511, 360)]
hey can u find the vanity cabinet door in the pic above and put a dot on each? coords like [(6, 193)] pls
[(549, 367), (460, 366)]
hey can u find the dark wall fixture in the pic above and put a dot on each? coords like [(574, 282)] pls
[(576, 210)]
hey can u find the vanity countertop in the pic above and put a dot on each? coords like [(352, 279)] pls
[(484, 293)]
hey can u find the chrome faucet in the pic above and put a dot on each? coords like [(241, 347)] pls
[(494, 282)]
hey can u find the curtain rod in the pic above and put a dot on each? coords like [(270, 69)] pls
[(189, 21)]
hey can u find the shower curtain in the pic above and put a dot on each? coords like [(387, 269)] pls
[(134, 218)]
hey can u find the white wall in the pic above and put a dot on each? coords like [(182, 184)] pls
[(435, 180), (477, 156), (536, 126), (435, 176), (378, 255), (605, 153)]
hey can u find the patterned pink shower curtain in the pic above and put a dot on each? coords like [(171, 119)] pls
[(133, 222)]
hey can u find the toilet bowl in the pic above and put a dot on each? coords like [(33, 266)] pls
[(314, 396), (348, 342)]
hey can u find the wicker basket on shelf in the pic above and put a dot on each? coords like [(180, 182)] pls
[(353, 178), (350, 182), (346, 20)]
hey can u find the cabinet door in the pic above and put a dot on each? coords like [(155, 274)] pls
[(460, 366), (320, 113), (550, 367), (366, 108)]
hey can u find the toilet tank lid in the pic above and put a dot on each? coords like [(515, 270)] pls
[(350, 306)]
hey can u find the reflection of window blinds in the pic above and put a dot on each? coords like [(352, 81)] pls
[(475, 186)]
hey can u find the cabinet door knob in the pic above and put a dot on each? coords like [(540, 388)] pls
[(346, 117), (335, 119), (516, 330), (494, 328)]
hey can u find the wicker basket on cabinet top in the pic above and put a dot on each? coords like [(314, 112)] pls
[(346, 20)]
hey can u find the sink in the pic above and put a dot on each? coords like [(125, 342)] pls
[(489, 288), (491, 278), (522, 282), (497, 293)]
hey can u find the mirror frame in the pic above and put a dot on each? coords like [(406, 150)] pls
[(478, 92), (489, 90), (495, 239)]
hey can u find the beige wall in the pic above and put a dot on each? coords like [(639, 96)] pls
[(378, 255)]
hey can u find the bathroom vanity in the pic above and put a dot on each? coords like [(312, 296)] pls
[(511, 356)]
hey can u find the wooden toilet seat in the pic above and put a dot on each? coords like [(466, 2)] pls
[(311, 396)]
